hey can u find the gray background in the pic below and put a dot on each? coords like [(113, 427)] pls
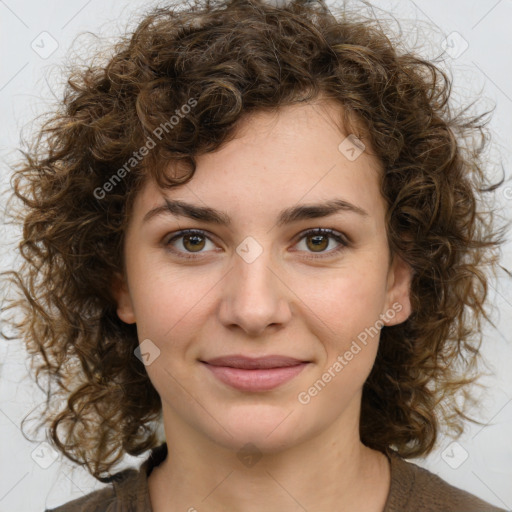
[(481, 462)]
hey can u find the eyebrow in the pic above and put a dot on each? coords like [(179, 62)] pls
[(287, 216)]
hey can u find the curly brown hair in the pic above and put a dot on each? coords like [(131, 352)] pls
[(227, 59)]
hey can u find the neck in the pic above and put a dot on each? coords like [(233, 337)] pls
[(330, 471)]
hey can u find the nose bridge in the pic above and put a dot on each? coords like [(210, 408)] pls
[(254, 297)]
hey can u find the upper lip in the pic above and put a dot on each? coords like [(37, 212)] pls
[(250, 363)]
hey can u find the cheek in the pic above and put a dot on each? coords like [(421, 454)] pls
[(170, 311), (166, 302), (345, 306), (344, 317)]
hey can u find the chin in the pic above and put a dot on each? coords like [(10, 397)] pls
[(259, 442), (270, 428)]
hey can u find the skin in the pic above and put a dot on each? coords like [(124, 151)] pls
[(282, 303)]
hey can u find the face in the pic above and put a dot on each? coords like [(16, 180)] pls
[(259, 282)]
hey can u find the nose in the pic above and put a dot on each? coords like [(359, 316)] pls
[(255, 297)]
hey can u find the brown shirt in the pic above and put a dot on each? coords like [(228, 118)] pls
[(413, 489)]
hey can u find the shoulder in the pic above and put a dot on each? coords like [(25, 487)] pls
[(416, 488), (127, 490), (100, 500), (107, 499)]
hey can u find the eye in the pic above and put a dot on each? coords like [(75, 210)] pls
[(320, 238), (194, 241), (191, 240)]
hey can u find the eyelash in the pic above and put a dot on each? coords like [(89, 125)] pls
[(318, 231)]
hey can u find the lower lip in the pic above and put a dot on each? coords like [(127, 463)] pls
[(255, 380)]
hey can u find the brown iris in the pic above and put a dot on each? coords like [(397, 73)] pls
[(195, 243), (317, 242)]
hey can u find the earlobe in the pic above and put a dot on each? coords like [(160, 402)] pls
[(398, 303), (122, 296)]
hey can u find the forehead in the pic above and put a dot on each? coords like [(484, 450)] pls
[(298, 154)]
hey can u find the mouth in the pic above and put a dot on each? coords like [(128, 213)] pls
[(254, 363), (255, 374)]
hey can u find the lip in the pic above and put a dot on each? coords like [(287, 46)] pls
[(254, 374), (252, 363)]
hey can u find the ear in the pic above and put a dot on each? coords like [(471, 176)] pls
[(122, 296), (398, 303)]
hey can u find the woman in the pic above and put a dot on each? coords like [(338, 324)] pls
[(259, 226)]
